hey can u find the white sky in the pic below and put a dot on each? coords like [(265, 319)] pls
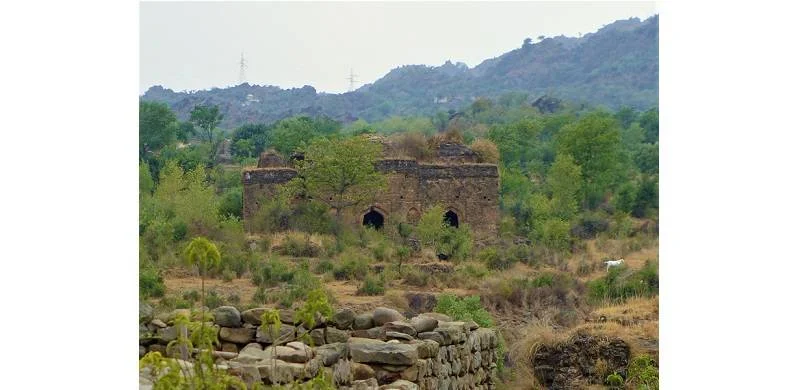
[(188, 46)]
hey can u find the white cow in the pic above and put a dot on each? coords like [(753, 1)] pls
[(613, 263)]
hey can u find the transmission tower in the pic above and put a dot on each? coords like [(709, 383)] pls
[(352, 80), (242, 68)]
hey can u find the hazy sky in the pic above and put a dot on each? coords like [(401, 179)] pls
[(188, 46)]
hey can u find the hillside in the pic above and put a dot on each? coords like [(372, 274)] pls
[(615, 66)]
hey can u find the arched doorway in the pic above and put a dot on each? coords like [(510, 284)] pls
[(373, 219), (451, 218)]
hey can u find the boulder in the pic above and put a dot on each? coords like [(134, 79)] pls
[(393, 354), (398, 336), (229, 347), (330, 353), (237, 335), (366, 384), (471, 325), (361, 371), (400, 327), (158, 323), (361, 340), (253, 316), (334, 335), (383, 315), (363, 321), (437, 316), (145, 312), (400, 384), (420, 302), (372, 333), (434, 336), (285, 334), (169, 317), (280, 372), (424, 323), (287, 316), (142, 351), (344, 319), (318, 336), (227, 316), (426, 348)]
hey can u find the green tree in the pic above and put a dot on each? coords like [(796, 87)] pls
[(594, 143), (206, 117), (158, 127), (146, 183), (564, 180), (292, 134), (204, 254), (649, 122), (341, 173)]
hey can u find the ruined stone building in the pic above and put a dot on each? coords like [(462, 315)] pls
[(453, 178)]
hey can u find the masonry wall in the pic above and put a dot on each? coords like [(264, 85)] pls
[(374, 350), (470, 190)]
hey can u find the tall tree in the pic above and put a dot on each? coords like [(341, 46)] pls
[(206, 117), (157, 127), (341, 173), (594, 142), (564, 180)]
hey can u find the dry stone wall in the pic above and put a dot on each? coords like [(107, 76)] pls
[(375, 350)]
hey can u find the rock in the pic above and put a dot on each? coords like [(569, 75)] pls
[(227, 316), (158, 323), (142, 351), (426, 348), (435, 336), (383, 315), (386, 376), (400, 384), (145, 312), (363, 321), (367, 384), (344, 319), (424, 323), (162, 349), (300, 347), (334, 335), (371, 333), (229, 347), (361, 371), (280, 372), (362, 340), (420, 302), (400, 327), (342, 375), (168, 334), (471, 325), (394, 354), (237, 335), (285, 334), (437, 316), (169, 317), (398, 335), (452, 332), (318, 336), (287, 316), (253, 316), (330, 353)]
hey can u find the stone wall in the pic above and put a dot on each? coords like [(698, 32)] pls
[(377, 350), (469, 189)]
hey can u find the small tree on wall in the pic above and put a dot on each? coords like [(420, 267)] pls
[(341, 173)]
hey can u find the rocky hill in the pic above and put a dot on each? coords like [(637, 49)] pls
[(617, 65)]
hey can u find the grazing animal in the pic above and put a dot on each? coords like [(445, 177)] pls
[(613, 263)]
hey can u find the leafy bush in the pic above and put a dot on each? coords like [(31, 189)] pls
[(643, 373), (615, 380), (299, 245), (272, 272), (487, 150), (191, 296), (589, 226), (619, 284), (214, 300), (466, 308), (417, 277), (372, 285), (495, 259), (151, 283), (231, 203), (355, 267), (324, 266)]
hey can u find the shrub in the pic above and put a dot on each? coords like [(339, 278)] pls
[(476, 270), (495, 259), (486, 150), (214, 300), (417, 277), (231, 203), (643, 373), (372, 285), (271, 273), (589, 226), (355, 268), (324, 266), (299, 245), (466, 308), (179, 230), (619, 284), (615, 380), (191, 296), (151, 283), (228, 275)]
